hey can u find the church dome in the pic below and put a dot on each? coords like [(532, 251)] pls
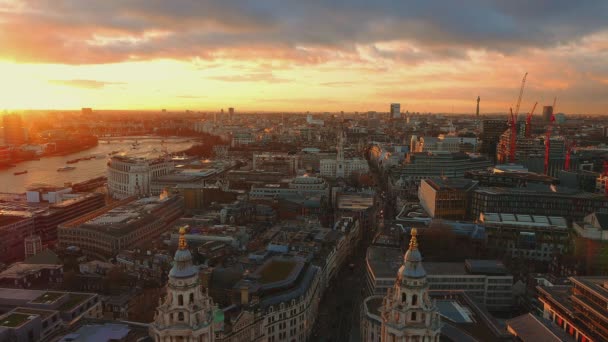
[(182, 261), (412, 261)]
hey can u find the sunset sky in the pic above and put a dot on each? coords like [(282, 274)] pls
[(305, 55)]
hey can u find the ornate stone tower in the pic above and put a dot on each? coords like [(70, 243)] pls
[(186, 314), (408, 314)]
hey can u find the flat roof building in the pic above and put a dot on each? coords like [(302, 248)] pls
[(121, 225)]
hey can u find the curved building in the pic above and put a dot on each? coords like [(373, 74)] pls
[(131, 176)]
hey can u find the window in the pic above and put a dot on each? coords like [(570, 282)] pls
[(414, 300), (191, 298), (180, 316), (180, 300), (403, 297), (413, 316)]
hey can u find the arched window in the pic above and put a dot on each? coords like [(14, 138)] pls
[(180, 316), (414, 300), (403, 297), (180, 300), (191, 298)]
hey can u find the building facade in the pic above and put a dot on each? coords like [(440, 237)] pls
[(128, 176), (342, 167), (580, 309), (446, 198)]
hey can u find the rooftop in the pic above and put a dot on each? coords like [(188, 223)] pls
[(446, 184), (524, 220), (530, 328), (385, 261), (48, 297), (13, 319)]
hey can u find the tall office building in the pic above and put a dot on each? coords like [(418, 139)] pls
[(230, 113), (14, 132), (395, 111), (491, 130), (547, 113)]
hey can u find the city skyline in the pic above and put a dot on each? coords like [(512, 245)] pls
[(293, 56)]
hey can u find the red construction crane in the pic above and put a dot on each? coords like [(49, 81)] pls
[(512, 142), (605, 174), (521, 94), (548, 138), (569, 146), (529, 121)]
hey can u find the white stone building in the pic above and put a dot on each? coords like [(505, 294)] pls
[(131, 176), (341, 167)]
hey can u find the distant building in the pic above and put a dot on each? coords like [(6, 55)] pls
[(395, 111), (423, 165), (120, 225), (547, 113), (131, 176), (230, 113), (446, 198), (342, 167), (531, 237), (242, 139), (537, 200), (87, 111), (276, 162), (443, 144), (14, 132), (42, 211), (491, 130)]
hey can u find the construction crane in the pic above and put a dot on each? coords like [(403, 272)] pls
[(512, 142), (529, 121), (569, 146), (521, 94), (513, 119), (605, 174), (548, 138)]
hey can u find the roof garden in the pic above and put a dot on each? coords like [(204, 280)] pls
[(48, 297), (74, 300), (276, 270), (13, 320)]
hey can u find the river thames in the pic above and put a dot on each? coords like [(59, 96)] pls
[(44, 171)]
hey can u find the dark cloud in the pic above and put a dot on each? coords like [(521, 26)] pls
[(73, 31), (87, 84)]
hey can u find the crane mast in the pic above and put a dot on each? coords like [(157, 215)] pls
[(521, 94), (512, 142), (529, 121)]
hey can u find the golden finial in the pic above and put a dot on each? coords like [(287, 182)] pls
[(414, 240), (182, 238)]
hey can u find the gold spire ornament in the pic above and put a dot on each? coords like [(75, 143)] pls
[(182, 238), (414, 240)]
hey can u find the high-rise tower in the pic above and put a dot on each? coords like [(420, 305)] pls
[(186, 314), (408, 314)]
